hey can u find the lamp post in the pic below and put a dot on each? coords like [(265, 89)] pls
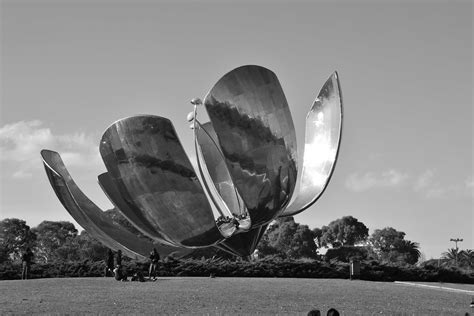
[(456, 240)]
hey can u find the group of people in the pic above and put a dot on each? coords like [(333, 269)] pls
[(120, 275)]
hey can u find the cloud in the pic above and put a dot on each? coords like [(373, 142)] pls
[(21, 143), (430, 186), (469, 183), (369, 180), (427, 184)]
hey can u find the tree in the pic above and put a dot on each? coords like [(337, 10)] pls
[(390, 245), (317, 234), (288, 238), (15, 237), (409, 251), (345, 231), (90, 248), (384, 240), (468, 258), (56, 241), (452, 256)]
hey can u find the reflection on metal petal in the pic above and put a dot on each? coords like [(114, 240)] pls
[(150, 169), (250, 115), (91, 218), (244, 244), (126, 209), (217, 177), (323, 137)]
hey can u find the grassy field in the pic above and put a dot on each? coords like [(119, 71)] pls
[(186, 295)]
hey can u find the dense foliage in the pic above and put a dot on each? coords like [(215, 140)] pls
[(287, 249), (390, 245), (345, 231), (267, 267)]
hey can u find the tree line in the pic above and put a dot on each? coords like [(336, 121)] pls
[(345, 239)]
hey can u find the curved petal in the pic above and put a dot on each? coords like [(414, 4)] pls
[(124, 207), (251, 118), (244, 244), (217, 177), (150, 169), (322, 141), (91, 217)]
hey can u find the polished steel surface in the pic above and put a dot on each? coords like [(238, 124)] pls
[(244, 244), (255, 131), (127, 210), (322, 141), (150, 169), (91, 217), (246, 157), (217, 177)]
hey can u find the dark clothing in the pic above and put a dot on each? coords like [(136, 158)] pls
[(27, 259), (118, 261), (109, 263), (110, 260), (154, 259), (119, 275), (25, 270)]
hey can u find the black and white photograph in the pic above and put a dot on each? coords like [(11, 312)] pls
[(205, 157)]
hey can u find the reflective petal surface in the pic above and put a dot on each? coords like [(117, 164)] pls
[(150, 169), (211, 159), (91, 217), (322, 140), (244, 244), (124, 207), (251, 118)]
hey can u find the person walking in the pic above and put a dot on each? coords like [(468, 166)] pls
[(154, 259), (26, 260)]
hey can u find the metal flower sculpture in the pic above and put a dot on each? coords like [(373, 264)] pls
[(247, 171)]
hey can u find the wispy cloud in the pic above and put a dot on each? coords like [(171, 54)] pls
[(427, 184), (369, 180), (21, 143), (430, 186)]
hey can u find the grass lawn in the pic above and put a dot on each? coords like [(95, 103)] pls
[(187, 295)]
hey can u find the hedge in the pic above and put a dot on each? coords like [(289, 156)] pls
[(267, 267)]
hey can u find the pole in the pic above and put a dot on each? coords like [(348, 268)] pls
[(456, 240)]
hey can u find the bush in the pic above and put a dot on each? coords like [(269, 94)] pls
[(265, 267), (347, 253)]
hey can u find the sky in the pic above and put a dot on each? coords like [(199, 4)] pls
[(71, 68)]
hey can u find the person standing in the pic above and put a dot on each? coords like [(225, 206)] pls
[(26, 260), (154, 258), (118, 260), (109, 263)]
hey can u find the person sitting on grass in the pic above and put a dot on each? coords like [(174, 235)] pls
[(119, 275), (154, 258), (138, 276)]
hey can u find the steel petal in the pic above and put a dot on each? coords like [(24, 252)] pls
[(150, 169), (250, 115), (244, 244), (91, 217), (322, 141), (126, 209), (212, 165)]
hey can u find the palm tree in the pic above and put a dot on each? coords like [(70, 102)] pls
[(467, 257), (451, 256), (410, 248)]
